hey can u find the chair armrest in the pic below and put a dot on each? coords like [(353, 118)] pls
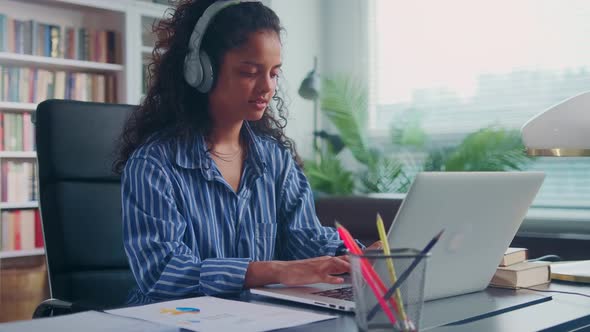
[(52, 307), (56, 307)]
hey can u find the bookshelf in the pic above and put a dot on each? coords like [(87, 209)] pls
[(129, 21), (107, 73)]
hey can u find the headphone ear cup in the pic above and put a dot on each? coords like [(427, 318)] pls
[(207, 73), (193, 72)]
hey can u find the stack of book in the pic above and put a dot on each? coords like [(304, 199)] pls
[(574, 271), (20, 230), (515, 272)]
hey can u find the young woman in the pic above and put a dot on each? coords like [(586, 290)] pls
[(214, 200)]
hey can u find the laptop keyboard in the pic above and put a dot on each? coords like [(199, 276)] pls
[(344, 293)]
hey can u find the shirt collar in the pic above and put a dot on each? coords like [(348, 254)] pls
[(254, 148), (191, 151)]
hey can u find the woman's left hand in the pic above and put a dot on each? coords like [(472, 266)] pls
[(374, 246)]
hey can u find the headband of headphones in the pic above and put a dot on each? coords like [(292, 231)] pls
[(198, 71)]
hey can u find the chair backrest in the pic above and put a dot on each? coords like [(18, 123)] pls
[(358, 213), (81, 201)]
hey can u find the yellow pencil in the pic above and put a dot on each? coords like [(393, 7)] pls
[(393, 277)]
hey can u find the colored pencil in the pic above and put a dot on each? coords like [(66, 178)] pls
[(390, 266)]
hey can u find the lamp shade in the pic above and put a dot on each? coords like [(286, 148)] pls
[(562, 130), (310, 86)]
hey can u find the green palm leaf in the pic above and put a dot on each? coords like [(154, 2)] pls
[(488, 149), (329, 176), (381, 176), (344, 102)]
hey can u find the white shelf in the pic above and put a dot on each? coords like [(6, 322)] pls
[(57, 63), (14, 106), (118, 6), (18, 154), (145, 7), (18, 205), (147, 49), (150, 9), (22, 253)]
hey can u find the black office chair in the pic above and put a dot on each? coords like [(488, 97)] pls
[(81, 205), (358, 213)]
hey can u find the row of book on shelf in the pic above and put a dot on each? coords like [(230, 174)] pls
[(17, 132), (18, 180), (56, 41), (21, 230), (32, 85)]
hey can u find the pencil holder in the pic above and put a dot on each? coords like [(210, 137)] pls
[(388, 289)]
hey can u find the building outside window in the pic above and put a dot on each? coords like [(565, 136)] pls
[(450, 68)]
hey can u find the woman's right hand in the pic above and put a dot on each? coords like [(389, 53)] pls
[(312, 270)]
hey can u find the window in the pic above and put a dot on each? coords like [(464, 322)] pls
[(458, 66)]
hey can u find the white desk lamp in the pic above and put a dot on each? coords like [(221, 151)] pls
[(562, 130)]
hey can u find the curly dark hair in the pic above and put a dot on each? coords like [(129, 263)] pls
[(173, 108)]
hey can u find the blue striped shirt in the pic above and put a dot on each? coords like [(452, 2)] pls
[(187, 232)]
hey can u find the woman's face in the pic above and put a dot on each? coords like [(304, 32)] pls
[(247, 79)]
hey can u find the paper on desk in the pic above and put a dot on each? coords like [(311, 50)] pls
[(214, 314), (89, 321)]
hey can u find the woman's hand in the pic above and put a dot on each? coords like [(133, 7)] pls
[(376, 245), (313, 270), (300, 272)]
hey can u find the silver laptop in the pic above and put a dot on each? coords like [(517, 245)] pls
[(480, 213)]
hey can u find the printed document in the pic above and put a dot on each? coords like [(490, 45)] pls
[(207, 313)]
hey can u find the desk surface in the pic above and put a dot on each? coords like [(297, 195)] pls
[(562, 312)]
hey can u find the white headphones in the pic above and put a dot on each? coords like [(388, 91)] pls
[(198, 71)]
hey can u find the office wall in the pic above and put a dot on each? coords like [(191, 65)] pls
[(333, 30), (345, 44), (345, 48), (301, 41)]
